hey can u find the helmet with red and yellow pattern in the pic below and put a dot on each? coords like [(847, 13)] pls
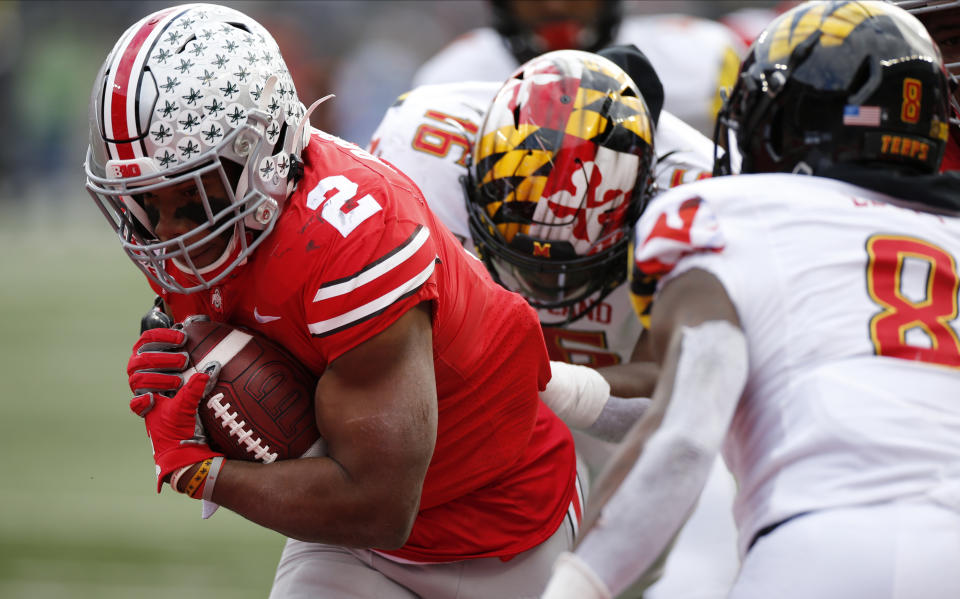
[(560, 171)]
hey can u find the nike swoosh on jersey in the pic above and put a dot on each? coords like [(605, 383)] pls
[(263, 319)]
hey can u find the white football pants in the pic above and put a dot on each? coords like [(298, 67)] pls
[(318, 571), (901, 550)]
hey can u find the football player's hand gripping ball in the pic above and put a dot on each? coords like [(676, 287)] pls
[(169, 409), (156, 366)]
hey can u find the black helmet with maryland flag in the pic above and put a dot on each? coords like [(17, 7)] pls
[(559, 173), (830, 86)]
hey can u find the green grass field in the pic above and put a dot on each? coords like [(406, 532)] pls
[(79, 516)]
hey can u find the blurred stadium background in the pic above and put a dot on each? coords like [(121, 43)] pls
[(78, 517)]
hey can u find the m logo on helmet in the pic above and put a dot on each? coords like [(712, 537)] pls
[(541, 249)]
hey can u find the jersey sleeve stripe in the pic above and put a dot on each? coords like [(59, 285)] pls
[(371, 309), (370, 272)]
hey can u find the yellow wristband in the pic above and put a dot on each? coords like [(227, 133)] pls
[(198, 477)]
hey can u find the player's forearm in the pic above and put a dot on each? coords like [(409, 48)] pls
[(314, 499), (655, 500), (631, 379), (667, 456)]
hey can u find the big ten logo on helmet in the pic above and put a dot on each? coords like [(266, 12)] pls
[(124, 171), (127, 169), (601, 313)]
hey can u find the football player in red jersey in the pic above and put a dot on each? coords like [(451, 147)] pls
[(942, 20), (444, 474)]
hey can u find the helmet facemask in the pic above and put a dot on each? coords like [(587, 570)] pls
[(246, 221)]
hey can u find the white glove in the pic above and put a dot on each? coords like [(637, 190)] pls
[(576, 394), (573, 579)]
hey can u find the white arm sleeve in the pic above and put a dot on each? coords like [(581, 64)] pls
[(661, 490), (576, 394)]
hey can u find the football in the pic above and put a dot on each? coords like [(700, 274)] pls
[(266, 409)]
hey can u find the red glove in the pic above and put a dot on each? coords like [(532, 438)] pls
[(156, 366), (174, 428)]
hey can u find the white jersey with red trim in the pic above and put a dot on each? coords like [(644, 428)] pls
[(428, 134), (693, 56), (356, 247), (848, 299)]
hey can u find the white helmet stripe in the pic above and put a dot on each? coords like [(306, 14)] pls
[(119, 102)]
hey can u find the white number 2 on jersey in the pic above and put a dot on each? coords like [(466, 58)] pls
[(341, 210)]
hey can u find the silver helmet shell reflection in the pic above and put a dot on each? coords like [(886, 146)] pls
[(189, 93)]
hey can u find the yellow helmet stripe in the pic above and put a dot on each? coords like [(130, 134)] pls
[(835, 26)]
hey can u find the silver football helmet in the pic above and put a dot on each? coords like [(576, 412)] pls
[(194, 96)]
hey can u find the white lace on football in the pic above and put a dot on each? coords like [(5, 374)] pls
[(228, 419)]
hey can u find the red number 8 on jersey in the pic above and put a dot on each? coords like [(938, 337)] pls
[(931, 315)]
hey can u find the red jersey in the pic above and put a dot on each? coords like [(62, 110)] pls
[(354, 248)]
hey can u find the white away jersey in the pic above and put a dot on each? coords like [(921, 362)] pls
[(428, 134), (849, 302), (693, 56)]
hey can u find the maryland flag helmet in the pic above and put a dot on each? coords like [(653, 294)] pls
[(834, 84), (559, 174)]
